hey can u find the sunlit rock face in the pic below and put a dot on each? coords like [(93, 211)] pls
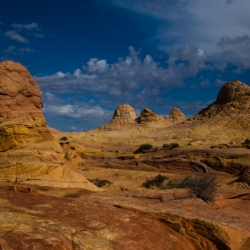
[(124, 115), (175, 116), (21, 115), (148, 116), (28, 150), (233, 100)]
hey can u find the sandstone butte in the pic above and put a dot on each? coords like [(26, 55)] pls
[(125, 117), (225, 121), (28, 151)]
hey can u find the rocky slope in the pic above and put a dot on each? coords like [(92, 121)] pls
[(28, 150)]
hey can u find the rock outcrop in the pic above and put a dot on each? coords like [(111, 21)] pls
[(124, 115), (28, 150), (175, 116), (149, 116), (233, 100)]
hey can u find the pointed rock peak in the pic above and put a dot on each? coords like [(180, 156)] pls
[(125, 111), (175, 112), (233, 91), (175, 116), (124, 115), (148, 115)]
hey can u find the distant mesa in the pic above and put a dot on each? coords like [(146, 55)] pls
[(149, 116), (124, 115), (233, 100), (175, 116), (28, 151)]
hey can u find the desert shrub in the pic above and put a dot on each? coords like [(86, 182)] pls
[(71, 195), (174, 145), (143, 147), (64, 138), (66, 156), (100, 182), (247, 141), (156, 181), (203, 187), (171, 145), (61, 143), (73, 148), (184, 183)]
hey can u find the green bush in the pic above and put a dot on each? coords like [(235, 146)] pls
[(143, 147), (64, 138), (156, 181), (73, 148), (71, 195), (99, 182)]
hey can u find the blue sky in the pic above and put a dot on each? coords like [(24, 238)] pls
[(89, 56)]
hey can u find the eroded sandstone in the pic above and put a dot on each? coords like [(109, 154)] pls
[(28, 150)]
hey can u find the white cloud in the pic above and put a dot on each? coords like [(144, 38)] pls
[(12, 34), (205, 83), (201, 24), (96, 66), (219, 83), (30, 26), (79, 111), (18, 51), (132, 74), (31, 30)]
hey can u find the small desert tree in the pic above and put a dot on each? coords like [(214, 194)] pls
[(204, 187)]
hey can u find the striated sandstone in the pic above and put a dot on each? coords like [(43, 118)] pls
[(149, 116), (28, 150), (233, 100), (123, 115), (175, 116)]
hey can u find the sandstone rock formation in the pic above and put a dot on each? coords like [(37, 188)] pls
[(149, 116), (28, 150), (233, 100), (124, 115), (175, 116)]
